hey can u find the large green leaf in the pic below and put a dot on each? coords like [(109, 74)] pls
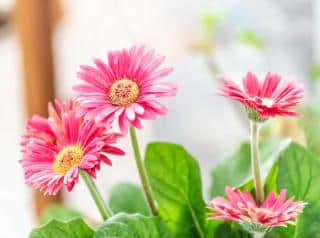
[(75, 228), (311, 125), (299, 174), (297, 171), (235, 171), (176, 183), (132, 226), (309, 221), (129, 198), (60, 213)]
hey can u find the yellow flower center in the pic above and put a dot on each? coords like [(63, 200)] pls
[(123, 92), (67, 158)]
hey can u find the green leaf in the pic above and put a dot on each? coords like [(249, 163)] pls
[(75, 228), (228, 230), (298, 172), (129, 198), (309, 221), (176, 183), (59, 213), (132, 226), (224, 229), (311, 125), (235, 171), (211, 227), (271, 181)]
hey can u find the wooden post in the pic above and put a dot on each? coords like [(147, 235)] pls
[(34, 23)]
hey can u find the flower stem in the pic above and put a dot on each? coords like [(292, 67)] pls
[(255, 161), (103, 208), (142, 172), (258, 235)]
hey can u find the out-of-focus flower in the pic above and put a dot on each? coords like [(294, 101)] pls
[(127, 87), (55, 149), (269, 98), (240, 207)]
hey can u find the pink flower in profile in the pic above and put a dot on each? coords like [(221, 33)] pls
[(126, 87), (240, 207), (55, 149), (269, 98)]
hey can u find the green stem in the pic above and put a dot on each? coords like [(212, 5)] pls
[(142, 172), (258, 235), (104, 210), (255, 161)]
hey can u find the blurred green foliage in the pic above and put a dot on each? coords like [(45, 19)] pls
[(129, 198), (210, 20), (310, 122), (251, 39), (315, 72), (239, 163)]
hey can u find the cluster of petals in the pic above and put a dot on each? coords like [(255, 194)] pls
[(56, 148), (125, 89), (270, 97), (240, 207)]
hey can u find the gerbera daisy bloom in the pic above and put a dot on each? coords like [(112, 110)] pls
[(126, 87), (55, 149), (269, 98), (240, 207)]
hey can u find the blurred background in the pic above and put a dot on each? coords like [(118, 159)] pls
[(43, 42)]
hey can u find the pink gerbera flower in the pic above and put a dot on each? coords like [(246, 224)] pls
[(55, 149), (271, 97), (126, 87), (240, 207)]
